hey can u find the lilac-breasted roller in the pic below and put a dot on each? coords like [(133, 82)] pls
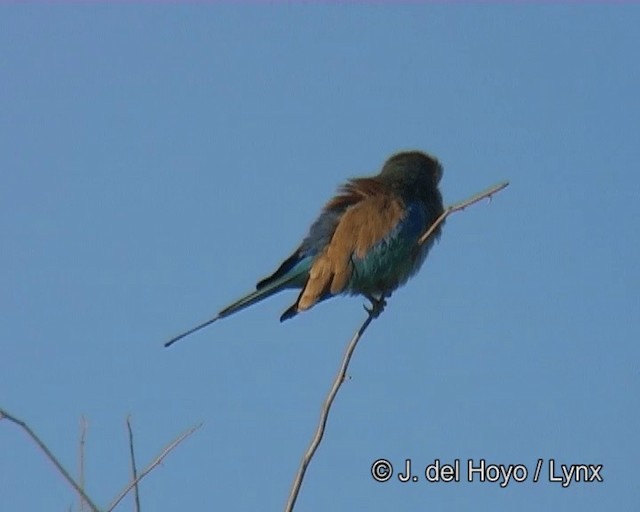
[(364, 242)]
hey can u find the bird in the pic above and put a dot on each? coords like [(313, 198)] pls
[(364, 242)]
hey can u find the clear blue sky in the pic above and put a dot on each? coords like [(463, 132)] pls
[(157, 160)]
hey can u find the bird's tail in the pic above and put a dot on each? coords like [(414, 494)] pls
[(286, 281), (294, 278)]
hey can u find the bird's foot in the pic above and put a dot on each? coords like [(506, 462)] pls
[(377, 306)]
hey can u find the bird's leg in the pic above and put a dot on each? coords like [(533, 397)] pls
[(377, 304)]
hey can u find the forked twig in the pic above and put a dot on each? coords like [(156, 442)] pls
[(5, 415), (79, 488), (151, 466), (344, 366)]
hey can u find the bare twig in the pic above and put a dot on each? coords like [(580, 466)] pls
[(324, 414), (461, 206), (151, 466), (134, 471), (4, 414), (83, 435)]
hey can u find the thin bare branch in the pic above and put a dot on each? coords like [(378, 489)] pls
[(5, 415), (151, 466), (134, 471), (340, 377), (324, 414), (83, 436), (488, 193)]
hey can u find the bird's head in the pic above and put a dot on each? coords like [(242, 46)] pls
[(413, 174)]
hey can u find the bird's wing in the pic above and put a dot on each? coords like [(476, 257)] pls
[(362, 225), (322, 230)]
